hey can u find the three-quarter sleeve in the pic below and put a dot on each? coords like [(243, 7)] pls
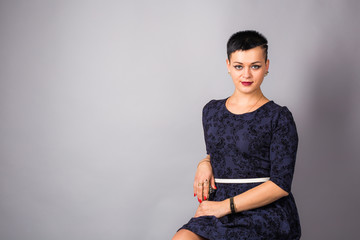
[(283, 149)]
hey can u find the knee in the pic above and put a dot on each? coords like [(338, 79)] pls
[(184, 234), (178, 235)]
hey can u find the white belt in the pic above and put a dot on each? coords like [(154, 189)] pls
[(243, 180)]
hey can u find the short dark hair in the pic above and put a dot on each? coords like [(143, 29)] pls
[(245, 40)]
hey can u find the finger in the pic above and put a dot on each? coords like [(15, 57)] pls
[(199, 191), (197, 213), (195, 187), (206, 189), (213, 182)]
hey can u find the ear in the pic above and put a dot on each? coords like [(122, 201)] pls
[(267, 65), (228, 64)]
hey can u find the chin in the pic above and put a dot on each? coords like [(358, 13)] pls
[(247, 90)]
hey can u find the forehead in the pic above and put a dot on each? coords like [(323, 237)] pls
[(248, 56)]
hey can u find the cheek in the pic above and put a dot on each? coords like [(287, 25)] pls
[(260, 73), (237, 73), (235, 77)]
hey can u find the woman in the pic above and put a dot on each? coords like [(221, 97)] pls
[(251, 145)]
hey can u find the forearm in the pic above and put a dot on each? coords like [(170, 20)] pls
[(258, 196), (204, 160)]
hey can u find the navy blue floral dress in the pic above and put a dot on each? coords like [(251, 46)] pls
[(258, 144)]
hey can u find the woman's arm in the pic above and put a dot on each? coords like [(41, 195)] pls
[(258, 196), (203, 172)]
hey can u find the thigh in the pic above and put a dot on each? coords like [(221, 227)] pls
[(185, 234)]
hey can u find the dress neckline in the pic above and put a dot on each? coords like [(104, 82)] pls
[(242, 114)]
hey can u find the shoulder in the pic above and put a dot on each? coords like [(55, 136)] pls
[(213, 104), (282, 117), (280, 110)]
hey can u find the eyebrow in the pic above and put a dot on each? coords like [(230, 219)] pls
[(251, 63)]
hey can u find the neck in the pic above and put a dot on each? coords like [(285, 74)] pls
[(246, 98)]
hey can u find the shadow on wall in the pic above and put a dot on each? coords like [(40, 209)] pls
[(331, 151)]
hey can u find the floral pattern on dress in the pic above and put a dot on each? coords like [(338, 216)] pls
[(262, 143)]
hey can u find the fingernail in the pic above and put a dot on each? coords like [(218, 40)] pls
[(215, 187), (199, 200), (194, 194), (205, 198)]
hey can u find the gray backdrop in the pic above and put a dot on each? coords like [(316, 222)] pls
[(100, 111)]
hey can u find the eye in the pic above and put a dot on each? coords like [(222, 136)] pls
[(255, 66), (238, 67)]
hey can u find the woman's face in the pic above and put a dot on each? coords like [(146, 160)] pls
[(247, 69)]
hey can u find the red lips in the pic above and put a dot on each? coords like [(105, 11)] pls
[(246, 83)]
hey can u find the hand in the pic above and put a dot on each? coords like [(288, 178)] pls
[(203, 178), (213, 208)]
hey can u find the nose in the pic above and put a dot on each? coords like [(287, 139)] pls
[(246, 72)]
